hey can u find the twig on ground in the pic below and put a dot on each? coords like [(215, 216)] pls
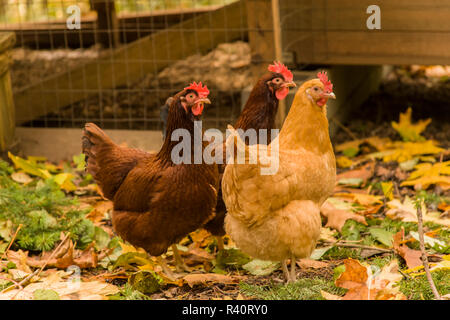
[(360, 246), (20, 284), (37, 272), (424, 253), (347, 130), (53, 253), (5, 254)]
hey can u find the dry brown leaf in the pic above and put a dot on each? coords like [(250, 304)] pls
[(98, 213), (362, 199), (380, 286), (65, 257), (336, 217), (412, 257), (309, 263), (365, 173), (94, 290), (205, 278), (20, 259)]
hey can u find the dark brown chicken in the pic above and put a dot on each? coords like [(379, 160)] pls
[(156, 202), (259, 113)]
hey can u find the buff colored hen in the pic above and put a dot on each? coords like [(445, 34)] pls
[(274, 205)]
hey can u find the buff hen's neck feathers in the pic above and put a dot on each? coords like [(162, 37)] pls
[(306, 125)]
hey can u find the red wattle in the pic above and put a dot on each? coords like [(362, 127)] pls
[(282, 93), (321, 102), (197, 109)]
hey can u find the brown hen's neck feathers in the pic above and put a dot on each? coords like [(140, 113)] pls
[(176, 119), (306, 126), (261, 107)]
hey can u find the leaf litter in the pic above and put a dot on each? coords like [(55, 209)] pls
[(368, 246)]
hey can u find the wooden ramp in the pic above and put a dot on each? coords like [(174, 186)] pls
[(125, 65)]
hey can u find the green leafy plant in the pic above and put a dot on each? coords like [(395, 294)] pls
[(44, 212)]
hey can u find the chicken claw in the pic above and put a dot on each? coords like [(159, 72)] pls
[(179, 263)]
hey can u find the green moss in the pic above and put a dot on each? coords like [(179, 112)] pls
[(336, 253), (128, 293), (381, 261), (303, 289), (418, 288)]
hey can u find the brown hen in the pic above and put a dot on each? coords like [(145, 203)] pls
[(156, 202)]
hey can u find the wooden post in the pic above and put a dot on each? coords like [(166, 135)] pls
[(264, 33), (281, 114), (107, 22), (260, 34), (7, 118)]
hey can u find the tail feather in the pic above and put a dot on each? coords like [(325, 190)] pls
[(107, 162)]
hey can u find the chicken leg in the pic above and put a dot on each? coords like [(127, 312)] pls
[(179, 263), (220, 245), (162, 262), (293, 273), (284, 267)]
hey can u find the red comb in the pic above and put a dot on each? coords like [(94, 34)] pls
[(278, 67), (328, 86), (201, 91)]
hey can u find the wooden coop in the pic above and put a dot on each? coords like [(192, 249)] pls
[(304, 34)]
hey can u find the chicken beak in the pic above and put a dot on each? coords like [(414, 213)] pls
[(203, 100), (329, 95), (290, 84)]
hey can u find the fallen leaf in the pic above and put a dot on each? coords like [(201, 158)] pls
[(362, 199), (407, 212), (205, 278), (344, 162), (427, 174), (99, 211), (94, 290), (403, 151), (29, 166), (336, 218), (383, 236), (388, 190), (258, 267), (362, 284), (365, 172), (21, 177), (410, 131), (310, 263), (412, 257)]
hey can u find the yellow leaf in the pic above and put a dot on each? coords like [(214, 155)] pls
[(29, 167), (344, 162), (376, 142), (361, 198), (129, 248), (407, 212), (427, 174), (404, 151), (388, 190), (64, 180), (410, 131)]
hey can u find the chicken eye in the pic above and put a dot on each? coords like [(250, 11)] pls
[(316, 89), (191, 96), (277, 80)]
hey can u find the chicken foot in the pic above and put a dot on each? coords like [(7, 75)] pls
[(179, 263), (290, 276), (220, 245), (165, 268)]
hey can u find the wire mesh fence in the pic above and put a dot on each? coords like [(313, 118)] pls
[(125, 59)]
